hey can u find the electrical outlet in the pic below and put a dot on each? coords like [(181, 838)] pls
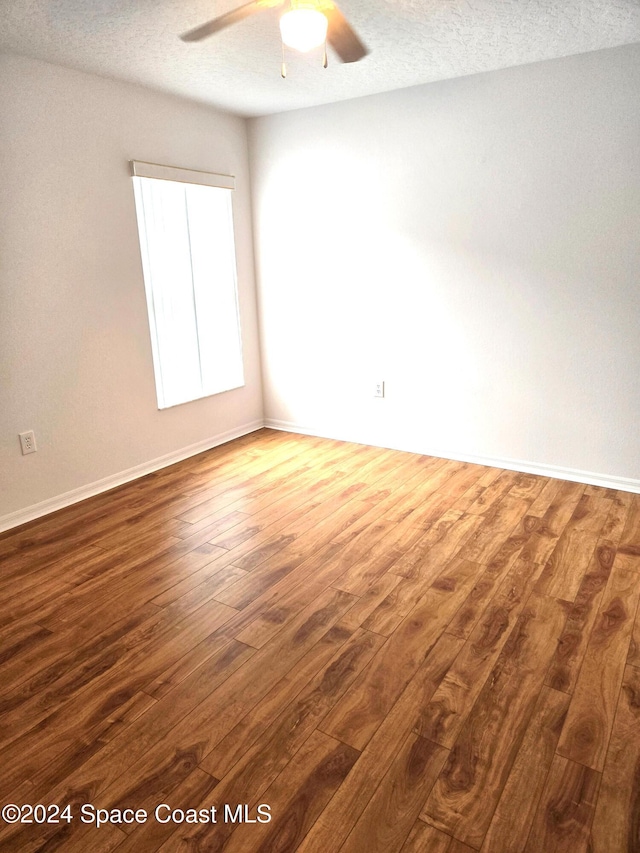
[(28, 442), (378, 389)]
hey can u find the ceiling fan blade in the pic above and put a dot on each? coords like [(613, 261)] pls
[(342, 37), (223, 21)]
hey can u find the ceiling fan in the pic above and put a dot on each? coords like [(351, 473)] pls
[(305, 24)]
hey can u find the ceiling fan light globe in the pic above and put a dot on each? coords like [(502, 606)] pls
[(303, 29)]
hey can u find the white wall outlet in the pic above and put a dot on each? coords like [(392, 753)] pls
[(27, 442), (378, 389)]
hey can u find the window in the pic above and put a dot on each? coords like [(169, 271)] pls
[(185, 225)]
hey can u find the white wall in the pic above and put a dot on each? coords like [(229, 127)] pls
[(476, 244), (75, 357)]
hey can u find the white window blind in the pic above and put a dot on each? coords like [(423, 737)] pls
[(189, 265)]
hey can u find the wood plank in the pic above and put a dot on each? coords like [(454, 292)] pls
[(169, 761), (387, 819), (322, 568), (438, 500), (474, 605), (287, 712), (356, 530), (443, 718), (498, 524), (529, 487), (391, 495), (467, 791), (104, 840), (364, 707), (547, 496), (33, 700), (295, 798), (145, 575), (634, 647), (96, 763), (491, 496), (233, 483), (136, 528), (197, 788), (588, 727), (379, 591), (552, 523), (574, 550), (477, 489), (514, 544), (190, 662), (87, 768), (621, 504), (239, 492), (294, 485), (185, 599), (306, 517), (316, 772), (268, 756), (307, 551), (565, 813), (630, 539), (241, 485), (438, 545), (572, 645), (616, 825), (427, 839), (19, 640), (52, 651), (600, 491), (22, 606), (628, 561), (141, 649), (282, 600), (472, 609), (511, 823), (339, 817), (397, 536), (72, 566), (224, 520), (119, 719), (86, 708)]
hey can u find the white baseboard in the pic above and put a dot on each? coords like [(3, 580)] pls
[(607, 481), (21, 516), (30, 513)]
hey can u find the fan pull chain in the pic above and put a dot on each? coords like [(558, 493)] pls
[(324, 59), (283, 70)]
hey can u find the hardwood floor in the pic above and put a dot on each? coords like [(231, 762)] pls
[(392, 652)]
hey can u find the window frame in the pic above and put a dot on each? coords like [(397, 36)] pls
[(141, 169)]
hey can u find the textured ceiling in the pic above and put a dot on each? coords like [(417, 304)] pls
[(411, 42)]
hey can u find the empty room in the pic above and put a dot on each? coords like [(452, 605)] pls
[(319, 426)]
